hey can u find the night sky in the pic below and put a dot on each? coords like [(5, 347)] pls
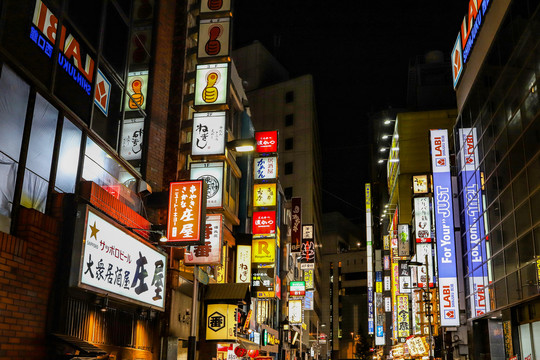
[(358, 53)]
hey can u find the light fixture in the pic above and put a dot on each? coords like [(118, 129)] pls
[(381, 161), (384, 137), (386, 205), (388, 122), (242, 145), (104, 304), (162, 238), (383, 149)]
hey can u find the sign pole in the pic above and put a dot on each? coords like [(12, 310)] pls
[(192, 340)]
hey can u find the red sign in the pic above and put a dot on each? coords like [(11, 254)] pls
[(266, 141), (186, 208), (278, 287), (264, 223)]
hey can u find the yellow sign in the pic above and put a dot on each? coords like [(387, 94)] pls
[(221, 322), (263, 251), (264, 195), (266, 294), (308, 278), (378, 286), (368, 197), (221, 269)]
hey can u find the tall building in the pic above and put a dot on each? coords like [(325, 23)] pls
[(288, 105), (497, 140)]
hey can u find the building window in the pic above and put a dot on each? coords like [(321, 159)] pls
[(288, 192), (289, 144), (289, 97), (289, 168), (289, 120)]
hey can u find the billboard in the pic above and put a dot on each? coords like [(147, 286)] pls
[(186, 223), (208, 133), (473, 221), (263, 251), (444, 228), (211, 82), (212, 174), (210, 252)]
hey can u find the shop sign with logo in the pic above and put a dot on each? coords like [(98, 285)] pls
[(403, 240), (212, 174), (308, 248), (267, 141), (208, 133), (265, 168), (186, 223), (214, 6), (308, 279), (264, 224), (136, 88), (263, 251), (422, 219), (132, 138), (297, 288), (264, 195), (214, 35), (210, 252), (262, 281), (211, 84), (118, 264), (420, 184), (295, 312), (221, 322), (403, 316)]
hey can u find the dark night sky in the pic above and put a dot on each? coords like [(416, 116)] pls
[(358, 52)]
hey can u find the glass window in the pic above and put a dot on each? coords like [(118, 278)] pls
[(511, 258), (526, 248), (289, 97), (523, 218), (289, 194), (500, 292), (107, 126), (115, 40), (529, 282), (535, 209), (288, 168), (516, 159), (289, 119), (514, 128), (508, 231), (86, 16), (68, 158), (525, 341), (39, 158), (498, 266), (531, 139), (495, 238), (505, 201), (519, 187), (514, 287), (13, 102), (289, 143)]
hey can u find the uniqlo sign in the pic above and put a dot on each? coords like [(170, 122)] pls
[(187, 204), (266, 141), (264, 223)]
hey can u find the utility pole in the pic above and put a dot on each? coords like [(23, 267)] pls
[(192, 340)]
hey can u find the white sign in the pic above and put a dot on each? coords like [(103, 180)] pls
[(422, 219), (423, 250), (210, 252), (440, 153), (243, 264), (208, 133), (212, 174), (265, 168), (295, 311), (387, 283), (211, 84), (115, 262), (307, 232), (387, 304), (132, 139)]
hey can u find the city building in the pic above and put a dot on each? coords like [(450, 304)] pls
[(496, 138)]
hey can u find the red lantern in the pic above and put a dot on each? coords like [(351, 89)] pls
[(240, 351), (253, 353)]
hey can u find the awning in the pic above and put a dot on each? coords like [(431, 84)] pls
[(250, 345), (232, 292), (83, 347)]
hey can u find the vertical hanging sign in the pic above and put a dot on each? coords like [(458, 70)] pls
[(369, 249), (444, 228), (187, 204), (296, 241), (308, 248)]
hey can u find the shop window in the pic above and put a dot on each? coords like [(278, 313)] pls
[(289, 143), (115, 40), (289, 120), (86, 16), (288, 192), (107, 125), (289, 97), (13, 103), (39, 158), (289, 168), (68, 158)]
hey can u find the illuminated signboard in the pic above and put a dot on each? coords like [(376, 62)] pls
[(296, 226), (212, 174), (307, 253), (308, 279), (423, 250), (264, 223), (295, 312), (185, 225), (213, 6), (403, 316), (444, 228), (422, 219), (308, 300), (264, 195), (243, 263), (297, 288), (210, 252), (404, 277), (208, 133), (116, 263), (403, 240), (380, 319), (470, 27), (102, 93), (262, 281), (211, 84), (265, 168), (263, 251), (214, 35), (267, 141), (221, 322), (132, 139), (473, 221), (136, 88), (420, 184)]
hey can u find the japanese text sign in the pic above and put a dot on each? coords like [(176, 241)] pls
[(210, 252), (185, 225), (243, 263), (221, 322), (308, 279), (267, 141), (422, 219), (264, 223), (403, 240), (403, 316), (264, 195), (265, 168), (296, 224), (420, 184), (263, 251), (262, 280), (208, 133), (295, 311), (297, 288), (114, 262), (308, 248), (212, 174)]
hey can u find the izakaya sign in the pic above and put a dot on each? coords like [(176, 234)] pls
[(212, 174), (266, 141), (44, 33), (296, 228), (208, 133), (186, 223), (243, 263), (444, 225), (210, 252), (265, 168), (264, 223), (472, 22), (116, 263)]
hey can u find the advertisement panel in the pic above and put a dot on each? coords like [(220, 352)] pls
[(308, 248), (308, 279), (422, 219), (211, 84), (263, 280), (404, 277), (116, 263), (221, 322), (403, 317), (208, 136), (295, 312), (213, 39), (403, 240), (264, 224), (296, 226), (297, 288), (420, 184), (132, 139), (243, 263), (308, 300), (473, 221), (212, 174), (380, 319), (369, 255), (264, 195), (136, 89), (263, 251), (210, 252), (267, 141), (186, 223), (444, 228), (265, 168)]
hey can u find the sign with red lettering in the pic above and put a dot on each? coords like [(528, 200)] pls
[(187, 204), (264, 223), (266, 141), (210, 252)]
